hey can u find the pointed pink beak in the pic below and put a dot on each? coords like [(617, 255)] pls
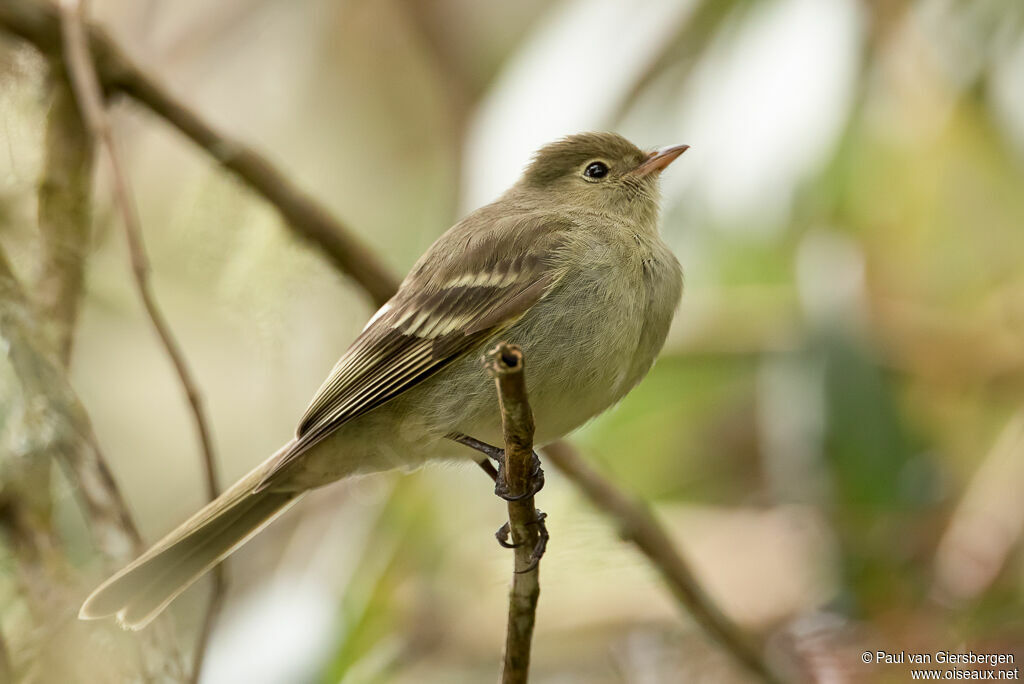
[(657, 161)]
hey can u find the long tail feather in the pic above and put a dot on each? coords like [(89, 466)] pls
[(139, 592)]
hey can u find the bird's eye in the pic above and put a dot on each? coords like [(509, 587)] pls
[(596, 170)]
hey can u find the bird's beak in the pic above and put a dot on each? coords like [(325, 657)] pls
[(656, 161)]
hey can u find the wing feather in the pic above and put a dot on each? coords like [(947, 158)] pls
[(436, 317)]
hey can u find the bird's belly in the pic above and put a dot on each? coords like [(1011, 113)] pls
[(579, 366), (576, 368)]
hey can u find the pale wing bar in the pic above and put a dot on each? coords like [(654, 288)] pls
[(400, 350)]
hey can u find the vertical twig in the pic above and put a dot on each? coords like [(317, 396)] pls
[(87, 90), (65, 214), (69, 433), (505, 364), (637, 525), (57, 428), (26, 503)]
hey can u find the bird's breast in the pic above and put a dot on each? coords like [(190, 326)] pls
[(598, 333)]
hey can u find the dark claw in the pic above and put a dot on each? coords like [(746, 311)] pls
[(502, 536), (535, 485), (536, 474), (542, 543)]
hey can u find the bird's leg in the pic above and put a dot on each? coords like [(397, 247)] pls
[(536, 484), (498, 455), (492, 452), (491, 471), (484, 448)]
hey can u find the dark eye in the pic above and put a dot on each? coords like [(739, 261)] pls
[(596, 170)]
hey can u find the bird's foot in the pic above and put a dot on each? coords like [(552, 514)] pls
[(502, 535), (534, 484)]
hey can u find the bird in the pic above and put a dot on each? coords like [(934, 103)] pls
[(568, 264)]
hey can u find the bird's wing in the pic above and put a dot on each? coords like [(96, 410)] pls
[(469, 286)]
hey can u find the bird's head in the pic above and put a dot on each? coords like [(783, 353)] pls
[(601, 172)]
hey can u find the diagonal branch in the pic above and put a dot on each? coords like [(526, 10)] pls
[(37, 21), (637, 525), (86, 86), (505, 364)]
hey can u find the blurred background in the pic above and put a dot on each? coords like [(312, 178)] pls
[(834, 433)]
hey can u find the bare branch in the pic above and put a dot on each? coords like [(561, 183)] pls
[(37, 22), (49, 426), (86, 86), (26, 506), (90, 102), (505, 364), (65, 216), (636, 524), (64, 428)]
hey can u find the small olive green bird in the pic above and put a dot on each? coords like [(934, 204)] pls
[(568, 264)]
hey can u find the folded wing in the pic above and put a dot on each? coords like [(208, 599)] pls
[(449, 305)]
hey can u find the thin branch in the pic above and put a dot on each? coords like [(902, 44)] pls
[(90, 101), (637, 525), (26, 504), (37, 21), (65, 215), (53, 426), (62, 426), (505, 364)]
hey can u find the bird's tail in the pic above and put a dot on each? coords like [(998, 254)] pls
[(139, 592)]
